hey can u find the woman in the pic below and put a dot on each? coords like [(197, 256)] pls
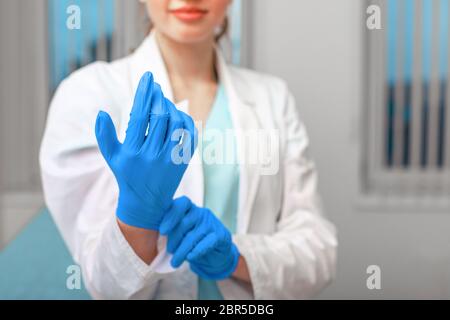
[(118, 217)]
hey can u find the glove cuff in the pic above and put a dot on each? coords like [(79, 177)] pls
[(133, 216)]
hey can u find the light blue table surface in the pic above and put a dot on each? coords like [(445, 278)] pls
[(34, 264)]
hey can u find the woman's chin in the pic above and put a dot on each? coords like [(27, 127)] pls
[(191, 34)]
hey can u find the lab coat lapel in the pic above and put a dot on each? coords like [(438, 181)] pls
[(245, 120)]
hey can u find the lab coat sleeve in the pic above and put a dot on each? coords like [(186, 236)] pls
[(81, 193), (298, 259)]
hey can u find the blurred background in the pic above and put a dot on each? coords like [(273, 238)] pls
[(376, 104)]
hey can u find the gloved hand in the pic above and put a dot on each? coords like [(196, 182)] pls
[(148, 167), (196, 235)]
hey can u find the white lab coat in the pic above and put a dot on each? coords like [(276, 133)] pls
[(289, 247)]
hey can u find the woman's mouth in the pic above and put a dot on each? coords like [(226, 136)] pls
[(189, 14)]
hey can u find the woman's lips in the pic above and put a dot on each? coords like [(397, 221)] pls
[(189, 14)]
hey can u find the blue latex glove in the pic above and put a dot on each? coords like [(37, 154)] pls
[(144, 165), (196, 235)]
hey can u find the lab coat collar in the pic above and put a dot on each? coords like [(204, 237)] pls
[(245, 120), (148, 58)]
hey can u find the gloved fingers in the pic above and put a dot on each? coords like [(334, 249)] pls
[(140, 113), (158, 105), (180, 230), (159, 121), (203, 247), (175, 214), (106, 135), (186, 245), (190, 138), (174, 134), (176, 120), (157, 131), (223, 236)]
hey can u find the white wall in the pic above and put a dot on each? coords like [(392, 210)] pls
[(316, 45), (23, 105)]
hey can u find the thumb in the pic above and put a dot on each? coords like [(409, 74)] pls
[(106, 135)]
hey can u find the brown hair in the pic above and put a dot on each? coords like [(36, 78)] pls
[(224, 29)]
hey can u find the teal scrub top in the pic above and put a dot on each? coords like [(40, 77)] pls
[(221, 176)]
